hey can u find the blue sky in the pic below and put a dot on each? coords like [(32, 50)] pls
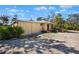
[(26, 12)]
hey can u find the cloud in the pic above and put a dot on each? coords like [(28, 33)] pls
[(42, 8), (57, 12), (22, 15), (6, 8), (62, 10), (15, 7), (31, 16), (13, 10), (21, 10), (27, 11), (73, 12), (65, 6), (52, 8), (11, 14)]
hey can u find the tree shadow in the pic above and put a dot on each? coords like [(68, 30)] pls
[(31, 42), (47, 43), (52, 41), (65, 49), (13, 42)]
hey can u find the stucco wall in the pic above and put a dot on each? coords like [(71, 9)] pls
[(25, 26), (31, 27)]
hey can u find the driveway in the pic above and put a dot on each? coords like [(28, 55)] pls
[(48, 43)]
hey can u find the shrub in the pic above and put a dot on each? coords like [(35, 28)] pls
[(18, 31), (7, 32), (54, 29), (4, 32)]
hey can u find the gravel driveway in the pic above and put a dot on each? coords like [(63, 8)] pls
[(48, 43)]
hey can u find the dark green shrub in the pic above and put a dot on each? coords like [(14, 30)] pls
[(7, 32), (18, 31), (4, 32), (54, 29)]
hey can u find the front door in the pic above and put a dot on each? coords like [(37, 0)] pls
[(48, 27)]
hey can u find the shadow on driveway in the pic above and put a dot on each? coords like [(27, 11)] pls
[(51, 43), (65, 49)]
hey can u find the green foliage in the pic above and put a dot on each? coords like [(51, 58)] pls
[(53, 28), (71, 26), (62, 25), (74, 18), (42, 18), (39, 18), (18, 31), (72, 22), (58, 23), (7, 32)]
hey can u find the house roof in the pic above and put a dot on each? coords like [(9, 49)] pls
[(35, 21)]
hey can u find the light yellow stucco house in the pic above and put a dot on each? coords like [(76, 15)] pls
[(31, 27)]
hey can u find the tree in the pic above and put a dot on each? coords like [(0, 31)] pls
[(4, 19), (51, 16), (58, 21), (42, 18), (74, 18), (39, 19)]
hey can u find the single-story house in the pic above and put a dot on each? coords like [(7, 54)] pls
[(31, 27)]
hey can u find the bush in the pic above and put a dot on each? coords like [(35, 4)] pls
[(18, 31), (54, 29), (7, 32)]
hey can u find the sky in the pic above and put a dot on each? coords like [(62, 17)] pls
[(27, 12)]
